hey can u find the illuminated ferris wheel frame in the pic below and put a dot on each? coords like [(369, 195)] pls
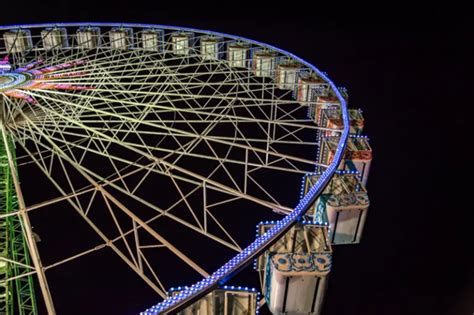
[(241, 260)]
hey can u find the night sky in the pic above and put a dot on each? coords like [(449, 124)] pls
[(407, 68)]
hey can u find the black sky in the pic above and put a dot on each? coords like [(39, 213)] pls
[(410, 70)]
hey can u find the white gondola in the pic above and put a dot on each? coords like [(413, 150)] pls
[(332, 118), (322, 103), (307, 237), (357, 157), (310, 87), (18, 40), (153, 39), (211, 48), (238, 55), (121, 38), (182, 43), (88, 37), (264, 63), (287, 75), (294, 270), (223, 301), (297, 283), (54, 38), (344, 203)]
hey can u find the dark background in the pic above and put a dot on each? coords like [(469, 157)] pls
[(410, 70)]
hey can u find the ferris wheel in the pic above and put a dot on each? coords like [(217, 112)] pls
[(171, 144)]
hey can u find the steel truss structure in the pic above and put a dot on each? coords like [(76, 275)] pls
[(111, 114)]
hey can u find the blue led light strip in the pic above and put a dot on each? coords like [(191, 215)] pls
[(257, 247)]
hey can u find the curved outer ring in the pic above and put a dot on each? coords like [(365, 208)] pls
[(257, 247)]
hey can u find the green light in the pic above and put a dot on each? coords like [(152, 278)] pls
[(16, 296)]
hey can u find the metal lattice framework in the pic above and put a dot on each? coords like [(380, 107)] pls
[(13, 243), (108, 125)]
